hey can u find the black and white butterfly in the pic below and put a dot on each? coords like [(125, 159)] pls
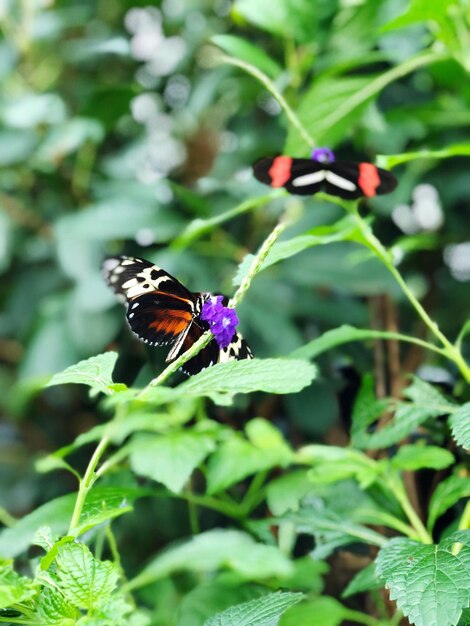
[(305, 177), (161, 311)]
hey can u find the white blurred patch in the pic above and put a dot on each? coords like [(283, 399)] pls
[(148, 43), (424, 214), (177, 91), (457, 258), (145, 237), (268, 103)]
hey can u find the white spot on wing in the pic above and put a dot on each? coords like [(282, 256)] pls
[(310, 179), (339, 181)]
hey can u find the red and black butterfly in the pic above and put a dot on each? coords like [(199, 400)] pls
[(161, 311), (304, 177)]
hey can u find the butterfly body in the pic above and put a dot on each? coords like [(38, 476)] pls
[(161, 311), (305, 177)]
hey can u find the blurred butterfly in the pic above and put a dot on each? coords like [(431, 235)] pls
[(305, 177), (161, 311)]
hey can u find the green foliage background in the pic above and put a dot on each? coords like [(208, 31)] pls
[(130, 129)]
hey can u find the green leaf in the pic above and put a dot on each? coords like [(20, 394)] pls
[(429, 583), (367, 408), (85, 581), (460, 425), (106, 503), (330, 528), (322, 235), (415, 457), (325, 611), (265, 611), (54, 608), (101, 504), (288, 19), (237, 458), (332, 463), (246, 51), (170, 459), (224, 380), (13, 587), (213, 550), (96, 372), (420, 11), (447, 493), (318, 110), (387, 161), (365, 580), (338, 336), (210, 598), (426, 402), (285, 493)]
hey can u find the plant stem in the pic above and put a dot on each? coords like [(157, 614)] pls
[(396, 486), (449, 350), (198, 227), (6, 519), (271, 87), (87, 482)]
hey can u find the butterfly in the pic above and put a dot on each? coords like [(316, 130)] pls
[(304, 177), (161, 311)]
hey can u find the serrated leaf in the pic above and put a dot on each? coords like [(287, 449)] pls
[(85, 581), (246, 51), (268, 375), (101, 504), (238, 458), (213, 550), (460, 425), (365, 580), (13, 587), (318, 111), (265, 611), (170, 459), (415, 457), (54, 608), (96, 372), (447, 493), (429, 583)]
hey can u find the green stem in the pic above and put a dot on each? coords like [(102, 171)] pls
[(395, 484), (464, 523), (271, 87), (200, 227), (87, 482), (361, 618), (254, 495), (449, 350)]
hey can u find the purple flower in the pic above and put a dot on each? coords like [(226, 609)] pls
[(323, 155), (221, 319)]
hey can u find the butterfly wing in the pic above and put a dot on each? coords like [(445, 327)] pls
[(305, 177), (211, 354), (302, 177), (350, 180), (159, 307)]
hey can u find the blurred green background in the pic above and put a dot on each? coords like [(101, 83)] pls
[(119, 127)]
